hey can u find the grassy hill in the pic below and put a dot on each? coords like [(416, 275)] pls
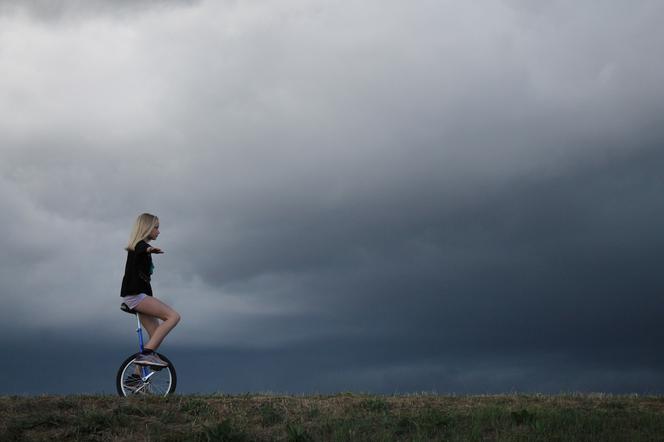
[(333, 418)]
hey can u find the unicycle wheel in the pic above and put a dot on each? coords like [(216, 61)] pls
[(136, 380)]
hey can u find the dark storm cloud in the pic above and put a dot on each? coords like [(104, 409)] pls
[(374, 196), (329, 366), (564, 265)]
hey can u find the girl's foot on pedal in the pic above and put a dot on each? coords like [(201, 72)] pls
[(151, 359)]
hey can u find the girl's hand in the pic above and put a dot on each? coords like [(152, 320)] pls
[(156, 250)]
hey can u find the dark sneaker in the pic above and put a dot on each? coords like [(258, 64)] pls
[(151, 359)]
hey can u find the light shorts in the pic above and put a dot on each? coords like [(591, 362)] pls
[(133, 300)]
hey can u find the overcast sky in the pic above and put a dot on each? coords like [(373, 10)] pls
[(378, 195)]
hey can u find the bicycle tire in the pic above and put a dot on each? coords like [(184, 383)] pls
[(161, 383)]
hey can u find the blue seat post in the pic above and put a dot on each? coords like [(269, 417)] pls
[(139, 330)]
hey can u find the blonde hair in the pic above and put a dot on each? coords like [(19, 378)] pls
[(141, 230)]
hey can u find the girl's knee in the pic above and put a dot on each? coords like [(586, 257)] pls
[(175, 317)]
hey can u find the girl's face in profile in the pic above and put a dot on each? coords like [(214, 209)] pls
[(155, 232)]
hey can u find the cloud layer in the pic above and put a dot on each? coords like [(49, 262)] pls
[(440, 195)]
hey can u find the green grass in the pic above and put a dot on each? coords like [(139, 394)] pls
[(343, 417)]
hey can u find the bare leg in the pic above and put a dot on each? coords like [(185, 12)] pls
[(150, 324), (154, 309)]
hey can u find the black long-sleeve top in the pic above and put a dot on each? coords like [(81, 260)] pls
[(138, 271)]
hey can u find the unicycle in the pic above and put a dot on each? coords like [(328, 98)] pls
[(134, 379)]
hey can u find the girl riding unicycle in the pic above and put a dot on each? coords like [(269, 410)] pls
[(146, 372)]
